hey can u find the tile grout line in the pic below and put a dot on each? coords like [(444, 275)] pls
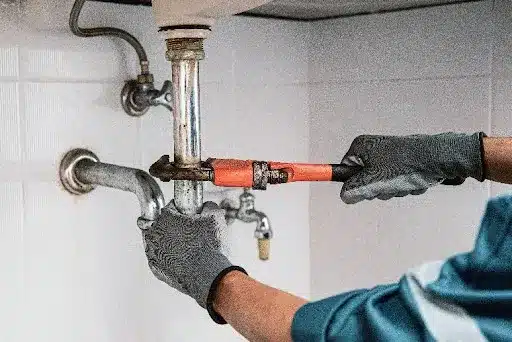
[(393, 80), (22, 153), (22, 143), (63, 81), (139, 142)]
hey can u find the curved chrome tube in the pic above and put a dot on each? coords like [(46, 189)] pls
[(81, 170), (137, 95), (107, 31)]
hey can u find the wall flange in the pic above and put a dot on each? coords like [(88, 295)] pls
[(67, 171)]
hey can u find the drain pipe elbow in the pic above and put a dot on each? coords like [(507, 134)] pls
[(81, 171)]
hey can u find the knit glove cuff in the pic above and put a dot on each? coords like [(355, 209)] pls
[(459, 156)]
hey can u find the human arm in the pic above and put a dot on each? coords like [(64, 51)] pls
[(257, 311), (498, 159)]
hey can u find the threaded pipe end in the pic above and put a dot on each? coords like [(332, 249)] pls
[(185, 48)]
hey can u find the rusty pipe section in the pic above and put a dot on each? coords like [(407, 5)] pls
[(81, 171), (185, 54)]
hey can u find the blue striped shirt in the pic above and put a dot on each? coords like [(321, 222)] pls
[(467, 297)]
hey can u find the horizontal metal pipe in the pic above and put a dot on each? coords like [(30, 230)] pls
[(123, 178)]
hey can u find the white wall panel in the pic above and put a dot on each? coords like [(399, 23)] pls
[(422, 71), (8, 61), (60, 116), (375, 242), (502, 40), (11, 261), (85, 271), (443, 41), (60, 57), (274, 126), (83, 261), (342, 111), (270, 52), (10, 150)]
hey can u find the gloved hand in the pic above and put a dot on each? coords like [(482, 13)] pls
[(394, 166), (184, 252)]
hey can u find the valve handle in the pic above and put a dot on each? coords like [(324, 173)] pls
[(163, 97)]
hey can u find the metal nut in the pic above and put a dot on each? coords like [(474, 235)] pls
[(185, 48), (145, 78)]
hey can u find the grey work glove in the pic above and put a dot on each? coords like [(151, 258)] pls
[(394, 166), (184, 252)]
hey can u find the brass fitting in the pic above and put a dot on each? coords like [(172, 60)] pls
[(145, 78), (184, 48)]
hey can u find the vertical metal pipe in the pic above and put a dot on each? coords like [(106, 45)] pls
[(188, 195)]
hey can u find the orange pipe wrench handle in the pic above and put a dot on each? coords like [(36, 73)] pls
[(232, 172), (314, 172), (241, 173)]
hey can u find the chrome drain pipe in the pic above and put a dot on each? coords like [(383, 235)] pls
[(185, 54)]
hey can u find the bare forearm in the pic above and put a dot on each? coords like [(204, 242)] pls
[(498, 159), (257, 311)]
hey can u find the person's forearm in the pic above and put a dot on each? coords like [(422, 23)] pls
[(255, 310), (498, 159)]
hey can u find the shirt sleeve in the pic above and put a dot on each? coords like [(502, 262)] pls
[(466, 298)]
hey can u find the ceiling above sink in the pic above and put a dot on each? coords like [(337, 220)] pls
[(311, 10)]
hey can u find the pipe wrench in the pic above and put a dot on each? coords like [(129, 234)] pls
[(250, 173)]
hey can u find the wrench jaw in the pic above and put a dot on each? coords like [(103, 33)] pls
[(165, 170)]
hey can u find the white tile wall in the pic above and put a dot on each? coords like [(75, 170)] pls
[(273, 115), (270, 90), (8, 61), (376, 242), (59, 116), (11, 260), (9, 127), (83, 265), (502, 104), (356, 239), (341, 111), (421, 71), (502, 66), (270, 52), (82, 268), (63, 57), (446, 41)]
